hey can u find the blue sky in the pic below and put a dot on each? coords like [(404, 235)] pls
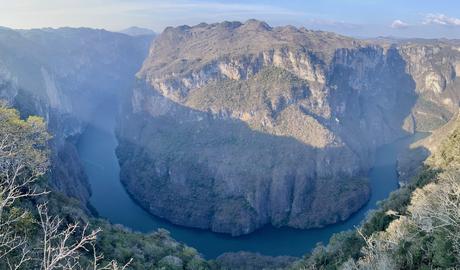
[(362, 18)]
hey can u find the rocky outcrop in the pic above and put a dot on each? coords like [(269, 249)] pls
[(62, 75), (236, 125), (433, 66)]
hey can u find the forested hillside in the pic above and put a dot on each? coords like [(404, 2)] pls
[(417, 227)]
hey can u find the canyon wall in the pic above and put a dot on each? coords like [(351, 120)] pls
[(232, 125), (63, 75)]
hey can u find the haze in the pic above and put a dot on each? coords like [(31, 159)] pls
[(427, 19)]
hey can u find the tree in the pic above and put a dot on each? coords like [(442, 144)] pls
[(428, 235), (23, 162), (435, 210), (62, 245)]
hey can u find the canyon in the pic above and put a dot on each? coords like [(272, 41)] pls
[(232, 126), (62, 75)]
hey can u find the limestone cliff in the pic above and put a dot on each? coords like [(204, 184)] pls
[(62, 75), (235, 125), (434, 66)]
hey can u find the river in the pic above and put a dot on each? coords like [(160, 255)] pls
[(97, 151)]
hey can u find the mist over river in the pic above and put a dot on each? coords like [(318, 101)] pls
[(97, 151)]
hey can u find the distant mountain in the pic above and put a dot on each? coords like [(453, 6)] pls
[(138, 31)]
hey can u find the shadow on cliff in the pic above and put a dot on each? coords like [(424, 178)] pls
[(378, 94), (199, 170)]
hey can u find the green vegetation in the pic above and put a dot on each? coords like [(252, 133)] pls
[(43, 229), (448, 155), (271, 89), (272, 95), (430, 115), (417, 227)]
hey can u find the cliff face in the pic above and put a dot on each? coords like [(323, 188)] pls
[(204, 171), (435, 68), (434, 65), (63, 74), (232, 126)]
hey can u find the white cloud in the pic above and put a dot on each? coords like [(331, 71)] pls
[(398, 24), (441, 19)]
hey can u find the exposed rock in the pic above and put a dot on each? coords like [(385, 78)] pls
[(228, 177), (432, 65), (411, 161), (235, 125), (435, 82), (62, 75)]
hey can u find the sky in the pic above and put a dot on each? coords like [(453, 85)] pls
[(359, 18)]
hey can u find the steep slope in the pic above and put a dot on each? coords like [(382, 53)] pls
[(410, 229), (62, 75), (32, 216), (235, 125), (435, 67)]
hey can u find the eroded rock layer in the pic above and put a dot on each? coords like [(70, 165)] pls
[(236, 125), (64, 75)]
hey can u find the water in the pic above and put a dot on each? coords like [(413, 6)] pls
[(97, 151)]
